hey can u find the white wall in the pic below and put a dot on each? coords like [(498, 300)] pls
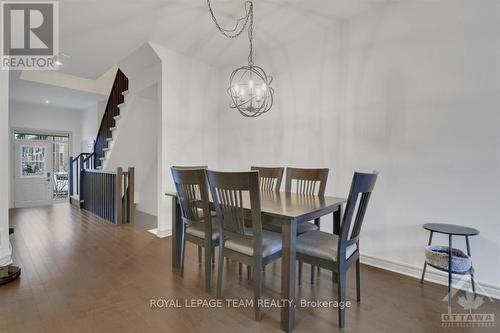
[(188, 123), (421, 83), (138, 131), (136, 146), (300, 128), (410, 90), (5, 249), (46, 117), (90, 121)]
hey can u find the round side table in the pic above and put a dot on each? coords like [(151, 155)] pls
[(451, 230)]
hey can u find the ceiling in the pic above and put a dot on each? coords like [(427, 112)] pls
[(97, 34), (37, 93)]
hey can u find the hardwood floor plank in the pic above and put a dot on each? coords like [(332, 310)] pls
[(81, 274)]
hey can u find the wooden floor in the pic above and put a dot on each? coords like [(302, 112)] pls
[(80, 274)]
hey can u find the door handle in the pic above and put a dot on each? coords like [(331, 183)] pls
[(48, 180)]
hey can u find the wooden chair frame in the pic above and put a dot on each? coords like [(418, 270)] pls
[(192, 193), (269, 177), (362, 186), (226, 189), (306, 181)]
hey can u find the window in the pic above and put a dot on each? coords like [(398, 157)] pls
[(43, 137), (32, 161)]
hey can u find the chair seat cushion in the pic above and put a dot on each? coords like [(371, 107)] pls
[(321, 245), (305, 227), (271, 243), (198, 230)]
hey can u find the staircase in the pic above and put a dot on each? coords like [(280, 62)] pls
[(106, 193), (109, 124)]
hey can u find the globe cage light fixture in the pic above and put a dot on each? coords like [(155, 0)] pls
[(249, 86)]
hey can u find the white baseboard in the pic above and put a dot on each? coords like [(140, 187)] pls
[(431, 275), (161, 233)]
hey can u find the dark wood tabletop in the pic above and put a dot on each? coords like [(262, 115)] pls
[(289, 205), (451, 229)]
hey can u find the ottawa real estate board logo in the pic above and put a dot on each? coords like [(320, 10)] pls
[(29, 35), (472, 304)]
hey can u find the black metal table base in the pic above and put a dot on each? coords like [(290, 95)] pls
[(451, 230)]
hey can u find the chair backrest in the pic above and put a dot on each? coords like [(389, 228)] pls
[(270, 178), (188, 167), (361, 189), (229, 192), (192, 194), (307, 181)]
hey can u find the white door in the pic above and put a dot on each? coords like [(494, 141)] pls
[(33, 176)]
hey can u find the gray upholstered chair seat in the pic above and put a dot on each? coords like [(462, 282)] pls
[(271, 243), (306, 227), (198, 230), (321, 245)]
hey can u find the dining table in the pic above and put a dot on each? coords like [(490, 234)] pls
[(287, 209)]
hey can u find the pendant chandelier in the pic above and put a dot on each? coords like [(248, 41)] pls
[(249, 86)]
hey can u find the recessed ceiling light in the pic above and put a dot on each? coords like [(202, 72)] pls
[(58, 63), (47, 101)]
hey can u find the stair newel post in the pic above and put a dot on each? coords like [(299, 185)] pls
[(80, 162), (131, 189), (79, 186), (70, 177), (119, 196)]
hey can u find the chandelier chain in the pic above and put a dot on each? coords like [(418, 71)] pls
[(234, 32)]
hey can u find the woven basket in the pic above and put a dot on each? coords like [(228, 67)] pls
[(438, 256)]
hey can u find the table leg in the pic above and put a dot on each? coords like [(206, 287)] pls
[(449, 272), (176, 233), (471, 271), (288, 267), (425, 262), (468, 246)]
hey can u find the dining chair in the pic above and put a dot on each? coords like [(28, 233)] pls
[(270, 180), (191, 167), (269, 177), (311, 182), (239, 240), (192, 194), (339, 252)]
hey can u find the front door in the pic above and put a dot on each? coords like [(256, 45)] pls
[(33, 176)]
